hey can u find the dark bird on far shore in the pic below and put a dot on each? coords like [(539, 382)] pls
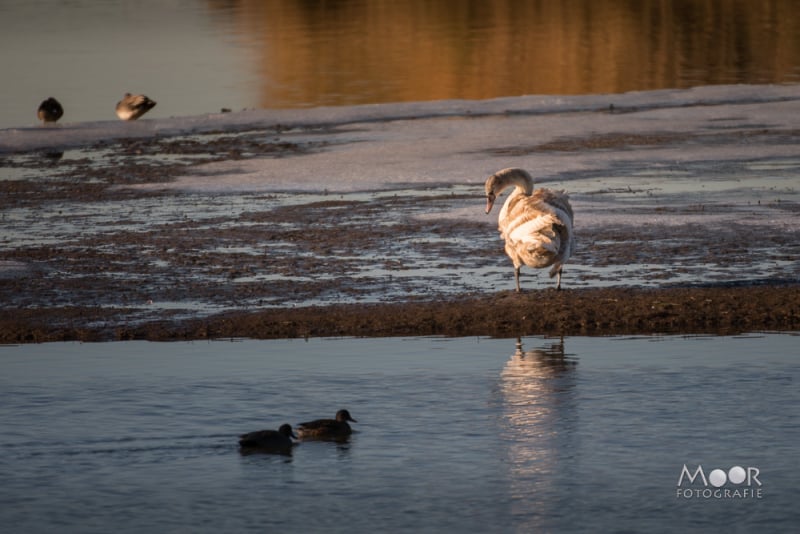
[(333, 429), (50, 110), (131, 107)]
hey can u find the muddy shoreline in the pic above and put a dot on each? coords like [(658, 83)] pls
[(374, 226), (592, 312)]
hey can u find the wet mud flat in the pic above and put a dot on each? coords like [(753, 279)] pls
[(605, 312), (98, 245), (98, 262)]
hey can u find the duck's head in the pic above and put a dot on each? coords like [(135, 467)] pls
[(286, 430), (344, 415)]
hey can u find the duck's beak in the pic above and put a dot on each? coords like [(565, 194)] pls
[(489, 202), (353, 420)]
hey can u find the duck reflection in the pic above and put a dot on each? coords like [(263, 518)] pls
[(537, 401)]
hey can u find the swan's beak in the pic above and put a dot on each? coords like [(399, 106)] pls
[(489, 202)]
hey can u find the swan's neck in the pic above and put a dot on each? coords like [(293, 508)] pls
[(523, 187), (521, 180), (496, 183)]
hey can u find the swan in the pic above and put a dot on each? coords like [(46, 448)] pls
[(50, 110), (131, 107), (327, 428), (536, 225)]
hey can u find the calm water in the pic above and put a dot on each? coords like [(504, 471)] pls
[(198, 56), (453, 435)]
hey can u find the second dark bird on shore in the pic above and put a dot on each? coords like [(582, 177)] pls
[(131, 107)]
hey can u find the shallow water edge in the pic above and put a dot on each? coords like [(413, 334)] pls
[(594, 312)]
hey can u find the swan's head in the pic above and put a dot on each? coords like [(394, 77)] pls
[(491, 194), (505, 178)]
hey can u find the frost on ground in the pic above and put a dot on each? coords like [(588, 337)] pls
[(191, 216)]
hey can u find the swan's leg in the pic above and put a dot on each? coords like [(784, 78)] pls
[(558, 282), (516, 277)]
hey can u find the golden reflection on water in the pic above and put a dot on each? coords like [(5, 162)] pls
[(361, 51), (536, 389)]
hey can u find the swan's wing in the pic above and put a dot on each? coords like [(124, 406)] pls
[(539, 223), (556, 200), (533, 230)]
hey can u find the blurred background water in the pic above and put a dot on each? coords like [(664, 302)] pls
[(199, 56), (453, 435)]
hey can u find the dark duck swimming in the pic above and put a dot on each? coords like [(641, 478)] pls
[(332, 429), (279, 441)]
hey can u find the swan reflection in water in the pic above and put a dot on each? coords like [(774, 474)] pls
[(537, 395)]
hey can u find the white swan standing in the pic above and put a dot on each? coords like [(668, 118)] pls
[(536, 225)]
